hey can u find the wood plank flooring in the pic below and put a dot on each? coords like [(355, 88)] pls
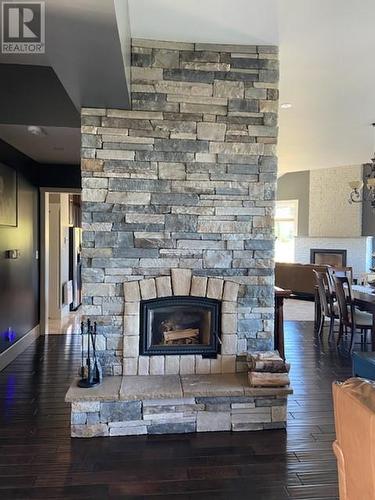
[(38, 459)]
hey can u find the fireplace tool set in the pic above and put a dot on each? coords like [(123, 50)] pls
[(90, 371)]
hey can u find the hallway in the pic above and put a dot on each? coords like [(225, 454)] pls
[(68, 325), (39, 460)]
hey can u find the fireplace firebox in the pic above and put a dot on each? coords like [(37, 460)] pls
[(328, 257), (180, 325)]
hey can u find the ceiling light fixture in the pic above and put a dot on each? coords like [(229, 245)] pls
[(364, 191), (286, 105), (35, 130)]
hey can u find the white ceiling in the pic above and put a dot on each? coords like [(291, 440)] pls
[(327, 65), (60, 145)]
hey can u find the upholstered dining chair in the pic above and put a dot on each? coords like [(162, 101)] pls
[(328, 306), (350, 317)]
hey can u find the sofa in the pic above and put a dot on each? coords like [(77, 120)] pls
[(299, 278), (354, 447)]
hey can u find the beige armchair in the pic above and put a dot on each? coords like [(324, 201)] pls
[(354, 404)]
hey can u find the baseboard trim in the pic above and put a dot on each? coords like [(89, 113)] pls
[(16, 349)]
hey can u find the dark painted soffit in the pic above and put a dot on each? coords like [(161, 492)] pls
[(33, 95), (88, 47)]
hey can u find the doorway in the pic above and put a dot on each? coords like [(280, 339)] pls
[(61, 230)]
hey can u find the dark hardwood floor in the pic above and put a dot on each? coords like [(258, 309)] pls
[(38, 459)]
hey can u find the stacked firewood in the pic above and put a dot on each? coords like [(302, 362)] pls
[(267, 369), (186, 336)]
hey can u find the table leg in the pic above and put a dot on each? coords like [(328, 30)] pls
[(279, 326), (317, 310), (373, 333)]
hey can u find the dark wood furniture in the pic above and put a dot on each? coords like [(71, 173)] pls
[(280, 295), (350, 316), (326, 300), (363, 298), (299, 278)]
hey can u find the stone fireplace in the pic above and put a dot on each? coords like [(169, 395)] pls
[(178, 264), (180, 324), (184, 181)]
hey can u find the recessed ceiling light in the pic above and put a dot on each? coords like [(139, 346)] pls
[(286, 105), (35, 130)]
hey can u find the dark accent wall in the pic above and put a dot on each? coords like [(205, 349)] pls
[(59, 176), (295, 186), (19, 278), (41, 175)]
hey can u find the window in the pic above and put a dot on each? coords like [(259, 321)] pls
[(286, 223)]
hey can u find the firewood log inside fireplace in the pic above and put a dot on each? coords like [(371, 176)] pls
[(187, 336)]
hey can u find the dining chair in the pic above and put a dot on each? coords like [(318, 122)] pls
[(340, 272), (350, 316), (327, 305)]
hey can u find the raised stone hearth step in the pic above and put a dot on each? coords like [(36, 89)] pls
[(108, 390), (138, 387), (133, 405), (151, 387), (213, 385)]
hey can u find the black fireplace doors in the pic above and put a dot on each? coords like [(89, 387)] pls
[(180, 325)]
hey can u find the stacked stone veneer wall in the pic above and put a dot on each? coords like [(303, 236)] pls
[(171, 416), (186, 179)]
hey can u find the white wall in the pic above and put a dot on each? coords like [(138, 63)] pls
[(358, 250), (58, 253), (64, 238), (54, 279)]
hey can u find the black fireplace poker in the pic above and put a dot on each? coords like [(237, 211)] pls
[(90, 372)]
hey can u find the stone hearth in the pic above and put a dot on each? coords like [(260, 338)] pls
[(165, 404)]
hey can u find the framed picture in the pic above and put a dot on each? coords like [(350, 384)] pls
[(8, 196)]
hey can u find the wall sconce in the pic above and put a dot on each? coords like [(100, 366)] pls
[(358, 194)]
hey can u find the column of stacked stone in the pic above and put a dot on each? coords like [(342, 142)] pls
[(186, 179)]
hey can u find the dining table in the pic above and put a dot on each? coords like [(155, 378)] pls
[(364, 299)]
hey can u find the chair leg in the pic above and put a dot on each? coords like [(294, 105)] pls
[(366, 336), (352, 340), (321, 325), (341, 333), (331, 326)]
